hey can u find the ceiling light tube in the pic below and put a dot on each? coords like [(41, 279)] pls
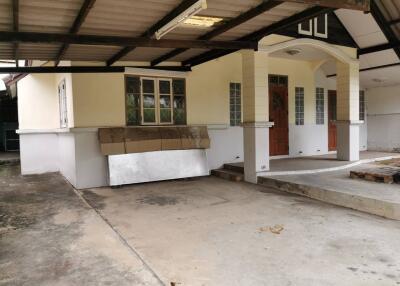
[(191, 11)]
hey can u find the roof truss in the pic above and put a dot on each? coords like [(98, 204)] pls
[(122, 41), (83, 12), (150, 32), (242, 18), (384, 26), (261, 33), (363, 5), (15, 10)]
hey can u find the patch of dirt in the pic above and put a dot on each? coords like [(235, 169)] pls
[(159, 200), (11, 219), (95, 200)]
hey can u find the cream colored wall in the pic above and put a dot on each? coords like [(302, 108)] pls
[(38, 102), (99, 99), (300, 74), (208, 90)]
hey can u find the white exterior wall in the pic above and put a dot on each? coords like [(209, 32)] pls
[(226, 146), (39, 153), (383, 118)]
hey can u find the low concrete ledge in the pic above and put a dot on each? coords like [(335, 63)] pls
[(384, 208), (332, 169)]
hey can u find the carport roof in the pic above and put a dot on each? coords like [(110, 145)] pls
[(126, 18), (105, 31)]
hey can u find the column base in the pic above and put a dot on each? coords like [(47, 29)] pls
[(256, 149), (348, 140)]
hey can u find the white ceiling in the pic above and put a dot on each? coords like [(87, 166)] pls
[(366, 33)]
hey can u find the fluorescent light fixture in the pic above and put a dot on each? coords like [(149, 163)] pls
[(191, 11), (202, 21)]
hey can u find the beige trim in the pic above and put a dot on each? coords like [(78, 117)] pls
[(328, 48)]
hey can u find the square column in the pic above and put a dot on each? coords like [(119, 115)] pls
[(255, 114), (348, 96)]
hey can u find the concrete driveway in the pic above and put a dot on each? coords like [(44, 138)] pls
[(203, 231)]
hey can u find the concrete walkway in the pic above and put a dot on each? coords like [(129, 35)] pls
[(209, 231), (49, 236), (203, 231)]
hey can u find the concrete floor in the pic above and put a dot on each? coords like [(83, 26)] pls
[(9, 157), (49, 236), (203, 231)]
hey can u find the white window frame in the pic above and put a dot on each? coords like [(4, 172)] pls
[(156, 101), (306, 32), (170, 101), (316, 33), (62, 101), (300, 120), (237, 110), (313, 31), (317, 89)]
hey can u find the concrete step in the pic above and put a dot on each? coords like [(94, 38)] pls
[(362, 202), (234, 167), (228, 175)]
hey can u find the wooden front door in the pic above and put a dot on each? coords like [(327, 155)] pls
[(278, 113), (332, 135)]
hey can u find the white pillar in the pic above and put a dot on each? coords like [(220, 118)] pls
[(255, 114), (348, 92)]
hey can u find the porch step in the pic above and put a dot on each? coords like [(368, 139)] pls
[(234, 167), (228, 175), (388, 208)]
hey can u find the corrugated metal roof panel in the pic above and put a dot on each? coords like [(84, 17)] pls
[(47, 15), (38, 51), (6, 17), (145, 54), (125, 17), (6, 51), (90, 53)]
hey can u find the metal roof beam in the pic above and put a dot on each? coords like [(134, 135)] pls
[(261, 33), (15, 10), (384, 26), (150, 32), (83, 12), (84, 69), (242, 18), (33, 37)]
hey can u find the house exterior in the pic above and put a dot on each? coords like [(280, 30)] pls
[(248, 81), (61, 132)]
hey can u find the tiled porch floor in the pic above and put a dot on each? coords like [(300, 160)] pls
[(318, 162)]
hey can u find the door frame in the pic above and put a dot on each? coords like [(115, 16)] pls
[(330, 93), (286, 84)]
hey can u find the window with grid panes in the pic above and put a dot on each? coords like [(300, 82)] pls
[(320, 106), (152, 101), (132, 99), (362, 105), (179, 104), (299, 105), (235, 103)]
